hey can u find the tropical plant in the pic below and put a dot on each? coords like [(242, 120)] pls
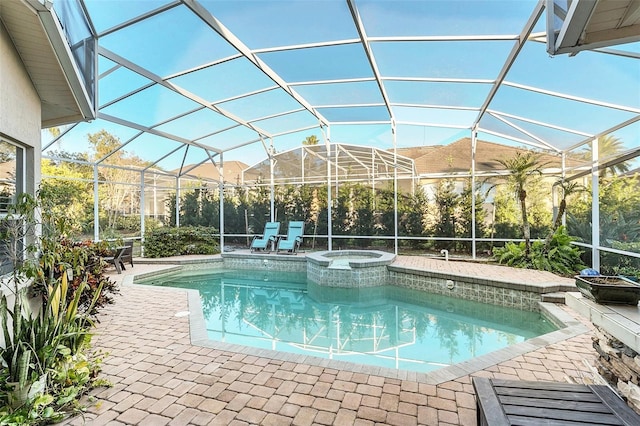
[(522, 168), (609, 147), (44, 343), (86, 271), (568, 188), (310, 140), (561, 258), (619, 216)]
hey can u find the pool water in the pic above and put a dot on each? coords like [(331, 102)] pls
[(342, 262), (386, 326)]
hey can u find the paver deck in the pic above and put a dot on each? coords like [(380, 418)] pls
[(160, 378)]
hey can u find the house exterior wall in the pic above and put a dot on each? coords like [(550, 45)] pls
[(20, 109)]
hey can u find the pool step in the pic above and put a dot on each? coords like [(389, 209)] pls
[(553, 297)]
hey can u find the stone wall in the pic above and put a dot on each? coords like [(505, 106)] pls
[(266, 262), (347, 277), (619, 365), (349, 268)]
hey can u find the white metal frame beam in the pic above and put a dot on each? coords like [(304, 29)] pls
[(175, 88), (355, 14), (234, 41), (515, 51)]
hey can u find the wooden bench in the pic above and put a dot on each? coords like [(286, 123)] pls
[(513, 402)]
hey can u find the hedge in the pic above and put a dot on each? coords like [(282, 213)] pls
[(165, 242)]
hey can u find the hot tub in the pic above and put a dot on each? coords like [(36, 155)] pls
[(349, 268)]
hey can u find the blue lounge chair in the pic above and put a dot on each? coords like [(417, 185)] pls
[(269, 236), (294, 238)]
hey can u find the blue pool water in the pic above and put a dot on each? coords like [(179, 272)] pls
[(384, 326)]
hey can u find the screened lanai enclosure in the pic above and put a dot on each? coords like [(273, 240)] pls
[(385, 124)]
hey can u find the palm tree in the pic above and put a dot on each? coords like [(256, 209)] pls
[(522, 167), (568, 188), (310, 140), (609, 146)]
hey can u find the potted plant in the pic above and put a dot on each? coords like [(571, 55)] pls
[(608, 289)]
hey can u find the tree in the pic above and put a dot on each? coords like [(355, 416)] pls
[(465, 223), (68, 187), (310, 140), (363, 214), (619, 224), (609, 147), (568, 188), (7, 152), (385, 210), (120, 185), (54, 131), (413, 210), (447, 202), (318, 211), (522, 168), (260, 201), (190, 208)]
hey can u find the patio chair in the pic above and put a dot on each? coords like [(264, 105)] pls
[(268, 237), (127, 254), (294, 238), (116, 258)]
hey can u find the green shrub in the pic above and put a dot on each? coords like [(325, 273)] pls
[(128, 223), (561, 258), (165, 242)]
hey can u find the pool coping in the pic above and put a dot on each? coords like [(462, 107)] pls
[(381, 258), (538, 287), (571, 327)]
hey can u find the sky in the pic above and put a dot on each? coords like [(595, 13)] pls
[(437, 61)]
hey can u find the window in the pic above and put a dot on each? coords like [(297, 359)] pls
[(11, 183)]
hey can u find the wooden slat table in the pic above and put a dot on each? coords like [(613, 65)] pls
[(513, 402)]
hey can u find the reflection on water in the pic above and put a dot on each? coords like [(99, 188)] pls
[(383, 326)]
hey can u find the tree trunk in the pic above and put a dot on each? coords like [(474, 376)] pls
[(526, 229), (561, 209)]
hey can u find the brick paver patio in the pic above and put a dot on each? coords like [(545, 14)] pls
[(159, 378)]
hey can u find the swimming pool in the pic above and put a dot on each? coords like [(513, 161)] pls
[(384, 326)]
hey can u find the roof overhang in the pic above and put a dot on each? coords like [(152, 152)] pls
[(39, 40), (591, 24)]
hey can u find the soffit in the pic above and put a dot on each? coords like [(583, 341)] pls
[(30, 40)]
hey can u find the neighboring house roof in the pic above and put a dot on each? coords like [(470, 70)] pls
[(416, 151), (434, 159), (232, 171), (456, 157)]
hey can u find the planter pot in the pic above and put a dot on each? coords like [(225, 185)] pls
[(609, 289)]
